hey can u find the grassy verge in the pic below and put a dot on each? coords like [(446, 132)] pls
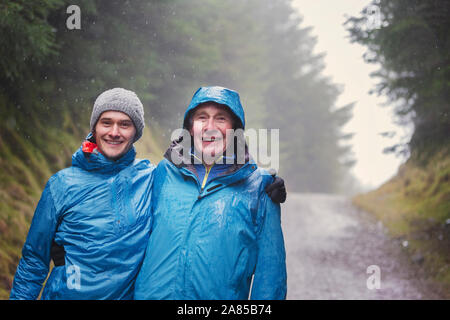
[(415, 207)]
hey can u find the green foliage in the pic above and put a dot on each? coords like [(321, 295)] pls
[(412, 44), (26, 38)]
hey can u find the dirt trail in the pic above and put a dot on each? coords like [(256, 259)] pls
[(329, 246)]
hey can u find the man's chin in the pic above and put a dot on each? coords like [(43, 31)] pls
[(210, 156), (114, 155)]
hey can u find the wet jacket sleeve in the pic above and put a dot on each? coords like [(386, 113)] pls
[(269, 282), (34, 264)]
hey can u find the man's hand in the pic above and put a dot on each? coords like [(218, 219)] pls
[(57, 254), (277, 190)]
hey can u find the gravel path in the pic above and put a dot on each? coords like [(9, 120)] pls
[(329, 246)]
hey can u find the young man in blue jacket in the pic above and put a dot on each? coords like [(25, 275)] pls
[(214, 227), (97, 210), (95, 214)]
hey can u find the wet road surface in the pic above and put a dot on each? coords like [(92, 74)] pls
[(330, 245)]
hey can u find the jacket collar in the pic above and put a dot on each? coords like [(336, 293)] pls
[(88, 158), (176, 156)]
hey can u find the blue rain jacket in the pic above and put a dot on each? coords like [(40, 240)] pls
[(207, 243), (98, 210)]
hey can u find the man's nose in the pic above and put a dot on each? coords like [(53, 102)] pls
[(114, 130), (209, 125)]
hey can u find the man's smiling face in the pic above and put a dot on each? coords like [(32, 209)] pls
[(210, 123), (114, 134)]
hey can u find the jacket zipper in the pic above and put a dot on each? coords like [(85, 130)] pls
[(205, 178)]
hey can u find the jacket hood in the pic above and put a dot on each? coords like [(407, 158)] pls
[(219, 95), (95, 161)]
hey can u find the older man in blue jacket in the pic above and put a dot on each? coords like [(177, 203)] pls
[(214, 226), (96, 212)]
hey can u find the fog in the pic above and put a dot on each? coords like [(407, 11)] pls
[(345, 65)]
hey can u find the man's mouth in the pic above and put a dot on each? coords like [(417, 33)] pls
[(210, 139), (114, 143)]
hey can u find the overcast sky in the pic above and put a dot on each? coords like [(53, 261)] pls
[(344, 64)]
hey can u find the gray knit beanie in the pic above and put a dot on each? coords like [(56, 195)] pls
[(119, 99)]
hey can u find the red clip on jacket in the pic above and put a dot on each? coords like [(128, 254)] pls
[(89, 146)]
